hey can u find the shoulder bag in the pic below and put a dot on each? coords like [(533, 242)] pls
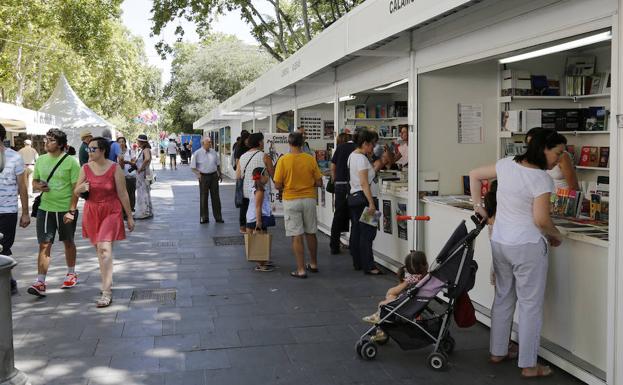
[(37, 201), (239, 198)]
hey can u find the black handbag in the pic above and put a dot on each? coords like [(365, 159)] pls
[(239, 197), (330, 186), (37, 201)]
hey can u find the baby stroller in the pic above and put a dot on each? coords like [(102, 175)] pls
[(184, 155), (418, 318)]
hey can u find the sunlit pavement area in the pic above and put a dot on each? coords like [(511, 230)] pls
[(226, 324)]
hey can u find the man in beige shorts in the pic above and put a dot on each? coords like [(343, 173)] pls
[(297, 175)]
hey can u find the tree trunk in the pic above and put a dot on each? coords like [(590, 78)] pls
[(19, 78), (306, 20), (282, 42)]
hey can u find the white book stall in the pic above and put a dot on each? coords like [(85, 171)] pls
[(468, 80)]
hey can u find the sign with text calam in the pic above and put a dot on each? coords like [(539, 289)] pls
[(276, 145)]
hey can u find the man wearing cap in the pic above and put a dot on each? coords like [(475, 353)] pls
[(29, 156), (83, 155)]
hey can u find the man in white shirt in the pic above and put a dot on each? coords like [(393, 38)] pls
[(206, 165), (172, 152), (29, 156), (12, 184)]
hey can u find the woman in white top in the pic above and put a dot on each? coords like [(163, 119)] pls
[(249, 161), (127, 160), (361, 198), (519, 243), (563, 173)]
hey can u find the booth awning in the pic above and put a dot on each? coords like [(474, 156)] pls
[(22, 120)]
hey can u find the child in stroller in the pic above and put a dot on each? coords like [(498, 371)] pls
[(414, 269)]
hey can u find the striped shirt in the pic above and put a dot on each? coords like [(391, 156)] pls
[(13, 167)]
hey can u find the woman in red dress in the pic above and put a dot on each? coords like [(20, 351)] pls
[(102, 184)]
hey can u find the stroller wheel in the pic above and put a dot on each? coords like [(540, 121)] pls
[(358, 346), (437, 361), (447, 344), (368, 351)]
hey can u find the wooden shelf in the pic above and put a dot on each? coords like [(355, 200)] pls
[(584, 132), (376, 119), (592, 168), (509, 99)]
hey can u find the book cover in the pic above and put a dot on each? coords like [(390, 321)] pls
[(387, 217), (580, 65), (349, 111), (604, 156), (589, 156), (360, 111), (530, 119), (402, 225), (372, 112), (511, 121), (370, 219), (595, 212)]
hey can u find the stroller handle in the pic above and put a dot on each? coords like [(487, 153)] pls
[(402, 218)]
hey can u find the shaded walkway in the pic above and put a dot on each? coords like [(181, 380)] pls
[(227, 323)]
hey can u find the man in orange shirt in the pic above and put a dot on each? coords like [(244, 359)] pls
[(297, 176)]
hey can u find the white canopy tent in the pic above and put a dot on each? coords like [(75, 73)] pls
[(75, 115)]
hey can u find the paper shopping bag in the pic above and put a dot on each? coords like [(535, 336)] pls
[(257, 246)]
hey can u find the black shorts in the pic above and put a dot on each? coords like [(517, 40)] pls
[(173, 156), (8, 223), (48, 223)]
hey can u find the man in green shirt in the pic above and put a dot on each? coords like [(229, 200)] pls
[(57, 211)]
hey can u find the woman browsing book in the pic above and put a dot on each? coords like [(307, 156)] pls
[(563, 173)]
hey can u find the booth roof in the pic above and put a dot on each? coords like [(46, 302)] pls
[(350, 36), (19, 119), (74, 113)]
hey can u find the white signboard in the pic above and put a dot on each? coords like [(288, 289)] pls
[(470, 123), (276, 145)]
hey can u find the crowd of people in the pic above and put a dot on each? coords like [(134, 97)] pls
[(111, 177)]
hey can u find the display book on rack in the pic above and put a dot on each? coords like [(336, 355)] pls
[(571, 203), (580, 79)]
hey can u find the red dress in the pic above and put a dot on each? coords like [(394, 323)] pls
[(103, 214)]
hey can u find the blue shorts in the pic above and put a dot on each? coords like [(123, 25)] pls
[(266, 222)]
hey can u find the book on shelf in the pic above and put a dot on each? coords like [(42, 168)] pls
[(580, 65), (595, 210), (604, 156), (401, 109), (514, 148), (349, 111), (391, 111), (595, 118), (567, 202), (530, 119), (381, 111), (360, 111), (516, 83), (589, 156), (511, 121), (372, 112)]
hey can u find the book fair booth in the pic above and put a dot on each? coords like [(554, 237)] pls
[(466, 81)]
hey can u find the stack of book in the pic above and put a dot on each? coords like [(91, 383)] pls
[(567, 202), (592, 156)]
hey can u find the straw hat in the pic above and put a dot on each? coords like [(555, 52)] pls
[(85, 133), (142, 138)]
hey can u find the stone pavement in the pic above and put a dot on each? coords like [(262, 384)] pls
[(227, 323)]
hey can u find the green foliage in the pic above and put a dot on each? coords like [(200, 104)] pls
[(292, 23), (85, 40), (207, 74)]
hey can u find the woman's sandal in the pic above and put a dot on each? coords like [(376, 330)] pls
[(264, 268), (296, 274), (104, 301), (309, 267), (541, 371)]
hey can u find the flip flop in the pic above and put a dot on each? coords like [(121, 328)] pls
[(296, 274), (508, 357), (308, 267), (541, 371), (265, 268)]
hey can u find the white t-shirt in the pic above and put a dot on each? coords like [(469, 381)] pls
[(518, 186), (13, 167), (127, 156), (172, 148), (356, 163)]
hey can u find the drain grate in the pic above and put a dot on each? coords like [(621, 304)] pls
[(165, 243), (163, 296), (228, 241)]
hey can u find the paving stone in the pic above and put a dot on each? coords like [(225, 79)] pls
[(265, 337), (129, 345), (71, 368), (257, 356), (207, 359), (191, 377), (179, 342), (135, 363)]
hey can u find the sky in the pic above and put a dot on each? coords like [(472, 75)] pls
[(137, 14)]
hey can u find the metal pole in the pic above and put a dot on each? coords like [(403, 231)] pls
[(8, 374)]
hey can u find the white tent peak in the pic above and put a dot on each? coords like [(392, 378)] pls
[(65, 103)]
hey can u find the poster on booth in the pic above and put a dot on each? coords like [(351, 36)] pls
[(276, 145)]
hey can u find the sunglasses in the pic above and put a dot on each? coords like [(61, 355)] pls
[(92, 149)]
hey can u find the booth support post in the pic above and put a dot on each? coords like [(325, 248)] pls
[(336, 105), (614, 373), (413, 202), (253, 123), (8, 374)]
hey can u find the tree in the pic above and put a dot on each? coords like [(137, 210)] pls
[(85, 40), (281, 33), (204, 75)]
